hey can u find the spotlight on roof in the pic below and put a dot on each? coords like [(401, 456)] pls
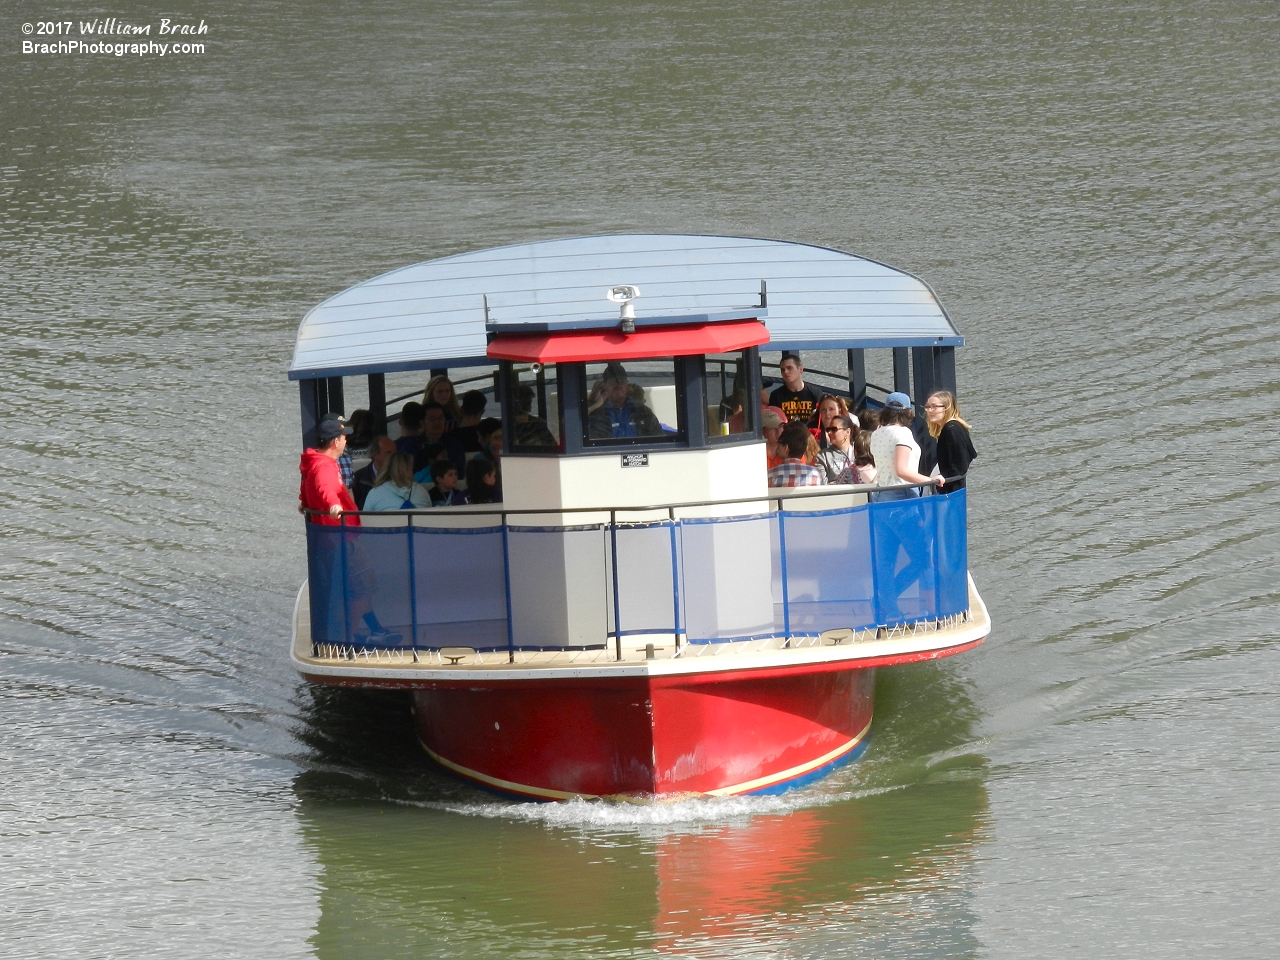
[(623, 294)]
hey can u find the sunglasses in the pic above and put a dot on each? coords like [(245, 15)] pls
[(834, 429)]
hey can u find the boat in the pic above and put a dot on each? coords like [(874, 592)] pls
[(642, 616)]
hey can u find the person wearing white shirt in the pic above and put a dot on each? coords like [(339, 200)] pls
[(896, 452)]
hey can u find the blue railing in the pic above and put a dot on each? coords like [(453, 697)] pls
[(514, 586)]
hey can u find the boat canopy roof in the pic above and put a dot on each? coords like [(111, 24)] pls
[(443, 313)]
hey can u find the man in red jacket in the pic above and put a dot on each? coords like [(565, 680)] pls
[(322, 486), (335, 571)]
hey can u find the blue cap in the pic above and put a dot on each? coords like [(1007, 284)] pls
[(899, 401)]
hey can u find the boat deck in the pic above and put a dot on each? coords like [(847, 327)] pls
[(640, 654)]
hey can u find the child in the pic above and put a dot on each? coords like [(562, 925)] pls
[(482, 481), (445, 477)]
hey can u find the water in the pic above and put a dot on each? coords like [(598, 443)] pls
[(1090, 188)]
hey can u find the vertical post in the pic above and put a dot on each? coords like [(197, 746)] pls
[(857, 379), (901, 369), (946, 368), (413, 594), (751, 406), (439, 371), (378, 403), (782, 558), (311, 412), (506, 582), (613, 549), (346, 595), (924, 365), (540, 382), (336, 403), (675, 580), (691, 392)]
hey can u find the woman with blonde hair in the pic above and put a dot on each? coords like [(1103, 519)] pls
[(440, 390), (955, 448), (395, 489)]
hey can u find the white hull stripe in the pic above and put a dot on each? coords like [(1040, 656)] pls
[(759, 783)]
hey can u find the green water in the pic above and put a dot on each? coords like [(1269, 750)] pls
[(1091, 189)]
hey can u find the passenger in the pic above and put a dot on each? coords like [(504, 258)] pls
[(345, 466), (482, 481), (839, 460), (797, 399), (619, 416), (436, 444), (367, 476), (793, 471), (829, 406), (410, 428), (322, 488), (440, 391), (530, 431), (862, 456), (443, 491), (870, 419), (928, 444), (955, 447), (730, 410), (362, 433), (811, 450), (896, 453), (323, 491), (489, 433), (473, 406), (395, 489), (772, 421), (596, 398)]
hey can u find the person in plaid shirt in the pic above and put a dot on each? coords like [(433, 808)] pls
[(793, 471)]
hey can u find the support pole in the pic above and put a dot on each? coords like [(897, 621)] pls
[(946, 369), (336, 403), (857, 379), (309, 397), (924, 366), (902, 369), (378, 403)]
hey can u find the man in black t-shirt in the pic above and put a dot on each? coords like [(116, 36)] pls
[(797, 399)]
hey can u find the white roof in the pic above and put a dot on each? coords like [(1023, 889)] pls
[(432, 314)]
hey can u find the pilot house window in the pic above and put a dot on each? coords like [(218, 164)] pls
[(635, 402), (536, 422)]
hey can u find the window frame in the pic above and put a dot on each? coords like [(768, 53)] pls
[(691, 400), (678, 440), (506, 378)]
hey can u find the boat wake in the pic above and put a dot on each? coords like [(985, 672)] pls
[(626, 812)]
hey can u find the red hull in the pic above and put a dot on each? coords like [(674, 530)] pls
[(723, 733)]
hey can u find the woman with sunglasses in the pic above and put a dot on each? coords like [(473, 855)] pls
[(829, 406), (839, 460)]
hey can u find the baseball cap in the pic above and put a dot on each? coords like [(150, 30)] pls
[(331, 427), (899, 401), (772, 417)]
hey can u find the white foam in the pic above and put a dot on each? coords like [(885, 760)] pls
[(652, 812)]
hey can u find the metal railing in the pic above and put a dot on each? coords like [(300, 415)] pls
[(838, 567)]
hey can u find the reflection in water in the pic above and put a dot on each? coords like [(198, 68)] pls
[(416, 863)]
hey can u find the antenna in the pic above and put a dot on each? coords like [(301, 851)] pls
[(764, 295)]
